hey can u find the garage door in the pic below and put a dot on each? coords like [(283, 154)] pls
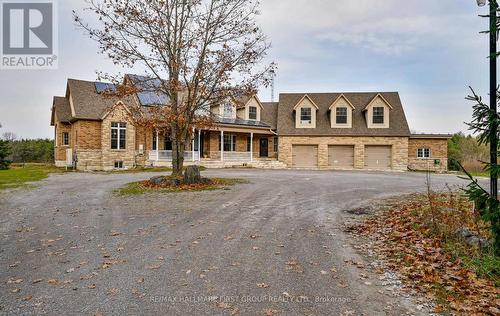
[(378, 157), (341, 156), (304, 156)]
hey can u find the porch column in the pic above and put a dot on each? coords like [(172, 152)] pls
[(221, 145), (199, 144), (251, 146), (157, 148), (192, 146)]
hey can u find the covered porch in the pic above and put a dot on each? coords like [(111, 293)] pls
[(221, 144)]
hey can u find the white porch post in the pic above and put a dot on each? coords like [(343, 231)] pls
[(157, 148), (221, 145), (251, 146), (192, 147), (199, 144)]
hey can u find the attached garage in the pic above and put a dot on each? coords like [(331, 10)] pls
[(341, 156), (304, 156), (378, 157)]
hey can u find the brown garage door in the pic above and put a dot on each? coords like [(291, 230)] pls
[(341, 156), (378, 157), (304, 156)]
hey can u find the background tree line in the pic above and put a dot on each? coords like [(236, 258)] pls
[(28, 150), (467, 151)]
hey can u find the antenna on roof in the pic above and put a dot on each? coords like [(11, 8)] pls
[(273, 75)]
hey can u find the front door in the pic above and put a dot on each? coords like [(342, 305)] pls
[(264, 150)]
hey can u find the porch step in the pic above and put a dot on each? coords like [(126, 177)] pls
[(213, 164), (267, 164)]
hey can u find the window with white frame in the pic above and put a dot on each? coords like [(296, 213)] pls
[(65, 139), (424, 153), (378, 115), (305, 116), (275, 144), (252, 113), (229, 142), (118, 164), (118, 135), (341, 115), (228, 110), (154, 140)]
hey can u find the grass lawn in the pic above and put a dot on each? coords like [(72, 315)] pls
[(139, 187), (480, 174), (18, 175)]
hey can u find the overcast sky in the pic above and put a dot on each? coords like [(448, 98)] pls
[(429, 51)]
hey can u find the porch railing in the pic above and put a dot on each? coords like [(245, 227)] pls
[(237, 156), (166, 155)]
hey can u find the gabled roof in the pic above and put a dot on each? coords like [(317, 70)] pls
[(375, 98), (90, 105), (305, 97), (61, 109), (342, 96), (286, 121)]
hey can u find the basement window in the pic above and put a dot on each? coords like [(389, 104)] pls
[(423, 153), (118, 164)]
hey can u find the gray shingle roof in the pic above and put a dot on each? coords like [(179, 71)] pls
[(89, 104), (62, 110), (241, 122), (286, 120), (269, 114)]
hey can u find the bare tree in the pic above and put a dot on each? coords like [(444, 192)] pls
[(195, 54), (9, 136)]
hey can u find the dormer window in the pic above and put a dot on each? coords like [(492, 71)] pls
[(378, 115), (228, 110), (341, 115), (252, 113), (305, 116)]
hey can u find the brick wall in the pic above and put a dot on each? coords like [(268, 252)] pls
[(399, 149), (439, 151), (59, 149), (87, 134)]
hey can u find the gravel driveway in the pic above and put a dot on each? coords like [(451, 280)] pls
[(273, 246)]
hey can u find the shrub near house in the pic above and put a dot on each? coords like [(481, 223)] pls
[(315, 130)]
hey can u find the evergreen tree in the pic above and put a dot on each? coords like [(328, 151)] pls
[(4, 153)]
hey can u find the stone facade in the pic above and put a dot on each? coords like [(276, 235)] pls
[(118, 114), (399, 149), (439, 154)]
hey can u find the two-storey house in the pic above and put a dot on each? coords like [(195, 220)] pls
[(94, 131)]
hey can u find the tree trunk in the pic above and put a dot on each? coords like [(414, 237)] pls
[(178, 148)]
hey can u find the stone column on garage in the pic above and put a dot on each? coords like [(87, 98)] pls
[(323, 155), (359, 156)]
